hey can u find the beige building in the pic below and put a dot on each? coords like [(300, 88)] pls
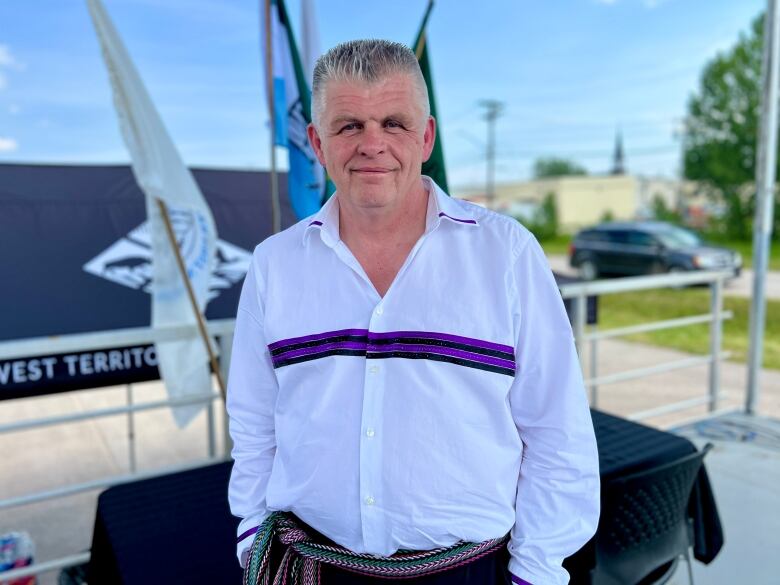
[(586, 200)]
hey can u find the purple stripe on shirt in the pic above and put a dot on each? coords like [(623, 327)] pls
[(442, 337), (315, 222), (249, 532), (518, 581), (439, 350), (353, 345), (316, 337), (442, 214)]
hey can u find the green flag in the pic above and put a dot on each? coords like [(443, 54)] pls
[(434, 167)]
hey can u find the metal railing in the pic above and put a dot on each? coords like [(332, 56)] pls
[(224, 328), (27, 348), (580, 291)]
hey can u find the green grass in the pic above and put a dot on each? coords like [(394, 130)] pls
[(620, 310), (558, 245)]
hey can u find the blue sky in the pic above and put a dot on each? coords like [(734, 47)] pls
[(569, 71)]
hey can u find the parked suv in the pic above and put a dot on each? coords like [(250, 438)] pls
[(645, 247)]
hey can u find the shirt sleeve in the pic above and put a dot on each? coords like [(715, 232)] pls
[(251, 399), (558, 490)]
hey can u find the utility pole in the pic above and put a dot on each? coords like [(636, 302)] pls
[(493, 109), (766, 166)]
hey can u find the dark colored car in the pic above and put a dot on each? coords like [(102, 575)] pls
[(646, 247)]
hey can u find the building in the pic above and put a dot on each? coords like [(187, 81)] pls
[(585, 200)]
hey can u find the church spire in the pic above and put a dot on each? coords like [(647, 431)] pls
[(618, 164)]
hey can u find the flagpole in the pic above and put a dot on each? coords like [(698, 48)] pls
[(191, 294), (275, 211), (421, 41)]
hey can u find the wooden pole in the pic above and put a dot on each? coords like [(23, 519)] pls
[(191, 294)]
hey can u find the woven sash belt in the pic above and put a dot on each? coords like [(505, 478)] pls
[(300, 564)]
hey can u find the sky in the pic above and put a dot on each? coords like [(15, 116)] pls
[(569, 72)]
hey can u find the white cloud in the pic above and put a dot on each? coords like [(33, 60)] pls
[(7, 59), (8, 144)]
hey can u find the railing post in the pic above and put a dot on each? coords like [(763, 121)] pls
[(226, 351), (594, 371), (131, 430), (716, 331), (580, 318)]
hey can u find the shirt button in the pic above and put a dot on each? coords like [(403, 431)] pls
[(369, 433), (370, 501), (379, 310), (373, 369)]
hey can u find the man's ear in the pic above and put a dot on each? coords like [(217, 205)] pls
[(316, 143), (429, 138)]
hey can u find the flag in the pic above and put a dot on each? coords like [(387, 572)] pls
[(434, 166), (306, 182), (161, 174), (310, 39)]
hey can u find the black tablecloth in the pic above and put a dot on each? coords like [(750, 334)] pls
[(626, 447), (178, 528)]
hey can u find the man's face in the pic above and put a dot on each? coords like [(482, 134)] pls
[(373, 139)]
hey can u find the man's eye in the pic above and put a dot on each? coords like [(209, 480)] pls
[(350, 127), (393, 124)]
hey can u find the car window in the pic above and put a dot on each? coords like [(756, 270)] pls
[(636, 238), (592, 236), (679, 238), (617, 236)]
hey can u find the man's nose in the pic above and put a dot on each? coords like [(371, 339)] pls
[(372, 141)]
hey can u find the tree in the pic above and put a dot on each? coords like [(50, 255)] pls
[(544, 224), (557, 167), (662, 212), (721, 130)]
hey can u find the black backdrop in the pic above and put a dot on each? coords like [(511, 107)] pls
[(57, 219)]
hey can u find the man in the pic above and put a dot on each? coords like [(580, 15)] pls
[(404, 375)]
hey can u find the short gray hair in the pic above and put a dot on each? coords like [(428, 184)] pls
[(369, 61)]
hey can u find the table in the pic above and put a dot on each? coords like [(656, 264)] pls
[(626, 447), (178, 528)]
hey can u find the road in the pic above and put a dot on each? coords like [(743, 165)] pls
[(738, 287)]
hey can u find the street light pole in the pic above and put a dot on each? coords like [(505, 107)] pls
[(766, 167), (493, 109)]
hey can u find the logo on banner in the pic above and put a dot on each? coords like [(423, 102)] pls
[(129, 261)]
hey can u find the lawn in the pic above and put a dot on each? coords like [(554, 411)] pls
[(619, 310)]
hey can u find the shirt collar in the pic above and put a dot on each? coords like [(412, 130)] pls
[(440, 207), (443, 207)]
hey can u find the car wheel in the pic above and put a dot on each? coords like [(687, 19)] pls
[(589, 270), (677, 270), (656, 268)]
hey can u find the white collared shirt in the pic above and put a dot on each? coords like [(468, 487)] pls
[(451, 409)]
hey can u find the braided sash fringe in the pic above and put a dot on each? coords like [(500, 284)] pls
[(302, 560)]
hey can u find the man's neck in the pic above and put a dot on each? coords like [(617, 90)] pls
[(369, 229)]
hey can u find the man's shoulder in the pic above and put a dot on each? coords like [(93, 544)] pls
[(494, 225)]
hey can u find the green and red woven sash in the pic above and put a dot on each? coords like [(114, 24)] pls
[(300, 564)]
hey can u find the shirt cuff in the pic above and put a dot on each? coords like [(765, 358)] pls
[(245, 540), (518, 581)]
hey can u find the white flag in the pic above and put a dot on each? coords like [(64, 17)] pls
[(161, 174)]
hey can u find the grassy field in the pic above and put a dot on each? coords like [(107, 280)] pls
[(654, 305), (560, 245)]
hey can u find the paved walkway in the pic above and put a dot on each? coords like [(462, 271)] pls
[(738, 287)]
